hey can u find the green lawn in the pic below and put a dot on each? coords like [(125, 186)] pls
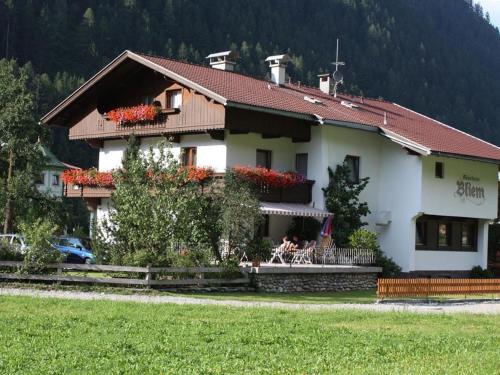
[(359, 296), (51, 336)]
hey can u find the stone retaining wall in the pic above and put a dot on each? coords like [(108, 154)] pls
[(313, 282)]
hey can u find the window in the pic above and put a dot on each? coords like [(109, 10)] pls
[(421, 234), (439, 170), (264, 159), (173, 99), (264, 227), (440, 233), (188, 156), (40, 180), (352, 162), (301, 164), (444, 234), (55, 180), (147, 100), (468, 236)]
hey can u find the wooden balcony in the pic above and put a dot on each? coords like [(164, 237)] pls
[(296, 194), (76, 191)]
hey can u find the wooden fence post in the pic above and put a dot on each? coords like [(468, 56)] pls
[(149, 276)]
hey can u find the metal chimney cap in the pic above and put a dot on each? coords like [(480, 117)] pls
[(278, 59), (226, 54)]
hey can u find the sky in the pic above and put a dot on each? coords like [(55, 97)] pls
[(493, 8)]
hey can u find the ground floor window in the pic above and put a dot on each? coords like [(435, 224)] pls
[(264, 227), (446, 233)]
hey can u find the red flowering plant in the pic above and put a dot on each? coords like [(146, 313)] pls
[(88, 177), (94, 178), (187, 174), (269, 177), (132, 115)]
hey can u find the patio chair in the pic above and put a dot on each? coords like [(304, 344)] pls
[(278, 254), (304, 255)]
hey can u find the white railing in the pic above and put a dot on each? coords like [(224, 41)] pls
[(337, 255)]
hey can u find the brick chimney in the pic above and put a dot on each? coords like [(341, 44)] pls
[(223, 60), (278, 65)]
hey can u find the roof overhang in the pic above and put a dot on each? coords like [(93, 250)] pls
[(405, 142), (46, 119), (297, 115), (292, 209)]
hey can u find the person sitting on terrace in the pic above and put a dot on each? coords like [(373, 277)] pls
[(287, 245)]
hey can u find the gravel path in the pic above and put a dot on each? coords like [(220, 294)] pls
[(469, 307)]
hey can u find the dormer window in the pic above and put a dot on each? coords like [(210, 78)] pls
[(173, 99)]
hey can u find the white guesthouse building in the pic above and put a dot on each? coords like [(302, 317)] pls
[(432, 193)]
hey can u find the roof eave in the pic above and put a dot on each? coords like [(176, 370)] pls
[(297, 115), (466, 157), (351, 125)]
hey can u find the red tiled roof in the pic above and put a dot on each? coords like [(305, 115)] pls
[(405, 123)]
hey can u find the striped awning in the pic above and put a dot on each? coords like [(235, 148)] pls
[(292, 209)]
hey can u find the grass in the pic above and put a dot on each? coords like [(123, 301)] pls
[(49, 336), (359, 296)]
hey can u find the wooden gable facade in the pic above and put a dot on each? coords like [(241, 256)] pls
[(127, 82)]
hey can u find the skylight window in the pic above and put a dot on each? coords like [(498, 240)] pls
[(312, 100), (348, 104)]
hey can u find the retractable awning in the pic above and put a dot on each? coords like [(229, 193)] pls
[(292, 209)]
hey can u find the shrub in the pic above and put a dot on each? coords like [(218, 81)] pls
[(342, 198), (259, 249), (479, 273), (7, 252), (365, 239), (40, 252)]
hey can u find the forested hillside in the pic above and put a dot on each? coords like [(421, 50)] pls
[(439, 57)]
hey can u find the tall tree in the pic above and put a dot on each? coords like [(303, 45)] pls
[(18, 135)]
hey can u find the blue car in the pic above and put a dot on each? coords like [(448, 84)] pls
[(76, 250)]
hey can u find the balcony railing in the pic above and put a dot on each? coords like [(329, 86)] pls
[(301, 193)]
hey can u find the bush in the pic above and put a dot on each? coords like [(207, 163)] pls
[(365, 239), (40, 252), (479, 273), (259, 249), (7, 252)]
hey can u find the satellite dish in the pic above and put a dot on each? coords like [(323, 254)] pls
[(338, 76)]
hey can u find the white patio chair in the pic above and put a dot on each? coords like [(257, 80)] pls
[(277, 254)]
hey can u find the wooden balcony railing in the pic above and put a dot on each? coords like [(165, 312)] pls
[(76, 191), (301, 193), (296, 194)]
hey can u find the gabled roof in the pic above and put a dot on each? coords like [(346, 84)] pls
[(51, 161), (411, 129)]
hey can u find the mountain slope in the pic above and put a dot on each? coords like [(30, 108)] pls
[(438, 57)]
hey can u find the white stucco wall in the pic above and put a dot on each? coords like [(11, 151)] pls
[(399, 194), (242, 150), (47, 187), (439, 195), (210, 152), (111, 154)]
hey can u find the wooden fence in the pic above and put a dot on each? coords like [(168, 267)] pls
[(153, 276), (425, 287)]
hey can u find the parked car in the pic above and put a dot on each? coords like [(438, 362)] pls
[(76, 250), (15, 241)]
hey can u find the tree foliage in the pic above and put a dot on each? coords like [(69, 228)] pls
[(158, 213), (342, 199)]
